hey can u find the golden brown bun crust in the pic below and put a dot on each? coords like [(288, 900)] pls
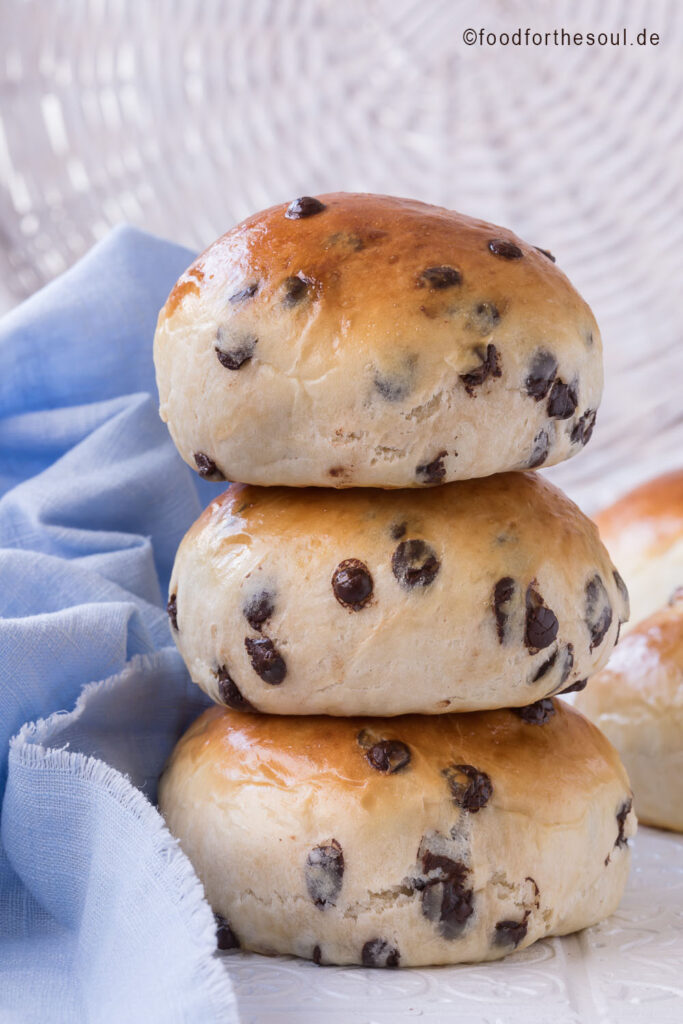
[(486, 546), (637, 700), (279, 751), (643, 532), (401, 841), (392, 242), (383, 343)]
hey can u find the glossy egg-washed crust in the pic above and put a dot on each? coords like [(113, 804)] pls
[(637, 701), (478, 594), (643, 532), (394, 842), (374, 342)]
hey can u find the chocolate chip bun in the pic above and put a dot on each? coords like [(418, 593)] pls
[(480, 594), (404, 841), (643, 532), (637, 701), (362, 340)]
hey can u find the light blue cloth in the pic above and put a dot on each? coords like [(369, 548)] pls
[(101, 915)]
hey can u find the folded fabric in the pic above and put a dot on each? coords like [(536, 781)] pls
[(101, 915)]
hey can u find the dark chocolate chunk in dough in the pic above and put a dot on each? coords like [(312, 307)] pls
[(432, 472), (582, 431), (439, 278), (244, 293), (580, 684), (295, 290), (225, 936), (388, 756), (538, 713), (542, 371), (324, 874), (503, 593), (379, 953), (598, 611), (352, 584), (510, 933), (489, 367), (563, 401), (508, 250), (539, 450), (545, 667), (234, 351), (259, 608), (541, 622), (414, 564), (304, 206), (266, 660), (446, 899), (206, 467), (230, 693), (471, 788), (172, 610), (546, 252), (622, 815)]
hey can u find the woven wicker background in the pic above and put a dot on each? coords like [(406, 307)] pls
[(183, 117)]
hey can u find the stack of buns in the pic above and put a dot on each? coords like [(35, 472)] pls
[(385, 608)]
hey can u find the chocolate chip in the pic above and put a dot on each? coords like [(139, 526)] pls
[(259, 608), (207, 467), (388, 756), (563, 401), (324, 873), (172, 610), (471, 789), (545, 667), (490, 367), (580, 684), (354, 243), (398, 530), (225, 936), (503, 593), (304, 206), (545, 252), (240, 351), (484, 318), (541, 622), (510, 933), (567, 663), (623, 593), (230, 693), (598, 611), (622, 815), (295, 289), (538, 713), (445, 898), (317, 955), (676, 596), (266, 660), (582, 431), (352, 584), (432, 472), (439, 278), (244, 293), (378, 953), (393, 388), (508, 250), (539, 449), (414, 564), (542, 371)]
